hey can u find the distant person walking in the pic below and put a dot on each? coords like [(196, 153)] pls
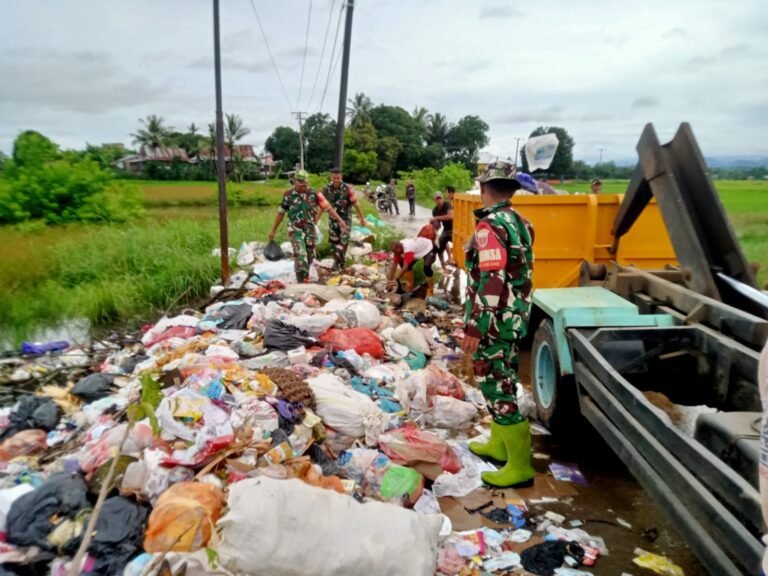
[(392, 195), (410, 194)]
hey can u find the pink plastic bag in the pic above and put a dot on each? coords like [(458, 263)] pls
[(409, 445), (361, 340), (442, 383)]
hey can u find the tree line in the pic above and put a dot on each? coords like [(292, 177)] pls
[(381, 141)]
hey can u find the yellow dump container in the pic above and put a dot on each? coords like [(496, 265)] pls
[(573, 228)]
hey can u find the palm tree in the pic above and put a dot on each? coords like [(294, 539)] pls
[(437, 130), (234, 131), (154, 133), (359, 111), (421, 115)]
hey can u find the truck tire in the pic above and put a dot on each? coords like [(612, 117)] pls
[(554, 394)]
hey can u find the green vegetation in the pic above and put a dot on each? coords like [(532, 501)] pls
[(428, 181)]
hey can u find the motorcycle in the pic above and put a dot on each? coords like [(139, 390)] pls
[(382, 198)]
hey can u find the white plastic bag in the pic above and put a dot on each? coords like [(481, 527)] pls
[(408, 335), (363, 314), (347, 411), (288, 528), (540, 151), (451, 413), (314, 325)]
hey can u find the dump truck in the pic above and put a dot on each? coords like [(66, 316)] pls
[(649, 293)]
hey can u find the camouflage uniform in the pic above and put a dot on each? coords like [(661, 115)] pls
[(499, 264), (301, 210), (342, 199)]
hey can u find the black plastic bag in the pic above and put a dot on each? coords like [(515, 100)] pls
[(543, 559), (119, 535), (32, 412), (94, 387), (281, 336), (230, 316), (273, 251), (62, 495)]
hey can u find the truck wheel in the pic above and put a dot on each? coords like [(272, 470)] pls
[(554, 394)]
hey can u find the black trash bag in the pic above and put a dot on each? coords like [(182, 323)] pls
[(273, 251), (543, 559), (94, 387), (119, 535), (32, 412), (230, 316), (62, 495), (281, 336)]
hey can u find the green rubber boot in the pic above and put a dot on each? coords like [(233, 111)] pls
[(518, 470), (494, 448)]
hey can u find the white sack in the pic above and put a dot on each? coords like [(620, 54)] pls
[(408, 335), (288, 528)]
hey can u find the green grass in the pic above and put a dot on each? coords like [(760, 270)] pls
[(126, 274)]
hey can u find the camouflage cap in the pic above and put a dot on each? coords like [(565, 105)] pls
[(499, 170), (301, 176)]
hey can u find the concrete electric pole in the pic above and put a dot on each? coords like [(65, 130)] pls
[(221, 164), (300, 117), (338, 154)]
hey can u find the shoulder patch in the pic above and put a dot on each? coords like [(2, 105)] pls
[(491, 254)]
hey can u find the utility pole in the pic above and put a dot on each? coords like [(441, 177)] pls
[(601, 155), (299, 116), (517, 149), (221, 164), (338, 154)]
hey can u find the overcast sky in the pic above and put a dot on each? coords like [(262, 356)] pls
[(87, 70)]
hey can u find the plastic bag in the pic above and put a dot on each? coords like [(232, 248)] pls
[(32, 412), (273, 252), (314, 325), (8, 496), (361, 340), (362, 314), (39, 348), (355, 462), (343, 409), (392, 483), (24, 443), (62, 495), (282, 269), (94, 387), (540, 151), (183, 518), (659, 564), (410, 445), (118, 535), (318, 235), (441, 383), (448, 412), (410, 336), (269, 530), (281, 336), (232, 315)]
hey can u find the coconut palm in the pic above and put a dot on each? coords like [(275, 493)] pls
[(437, 130), (154, 133), (421, 115), (359, 111), (234, 131)]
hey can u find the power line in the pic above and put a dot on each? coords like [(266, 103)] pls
[(304, 61), (322, 53), (330, 62), (271, 57)]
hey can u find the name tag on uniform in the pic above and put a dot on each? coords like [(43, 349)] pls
[(491, 254)]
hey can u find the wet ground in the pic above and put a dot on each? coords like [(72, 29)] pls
[(611, 493)]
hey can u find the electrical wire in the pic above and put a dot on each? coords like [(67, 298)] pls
[(304, 61), (322, 54), (330, 62), (271, 57)]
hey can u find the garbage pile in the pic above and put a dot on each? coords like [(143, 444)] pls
[(290, 429)]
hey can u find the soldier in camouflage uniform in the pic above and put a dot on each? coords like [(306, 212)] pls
[(499, 262), (302, 204), (342, 198)]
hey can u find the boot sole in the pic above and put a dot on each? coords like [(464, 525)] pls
[(523, 484)]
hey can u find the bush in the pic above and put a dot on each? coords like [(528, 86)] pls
[(428, 180), (45, 185)]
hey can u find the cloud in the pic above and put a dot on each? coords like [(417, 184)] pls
[(701, 62), (79, 81), (735, 49), (646, 102), (500, 10), (228, 63), (675, 32), (552, 113)]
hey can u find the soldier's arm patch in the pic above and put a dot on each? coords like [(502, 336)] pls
[(491, 253)]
